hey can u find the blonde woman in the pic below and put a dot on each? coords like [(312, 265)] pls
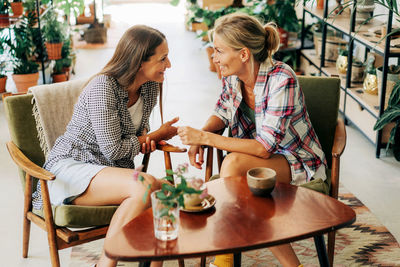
[(263, 106), (93, 159)]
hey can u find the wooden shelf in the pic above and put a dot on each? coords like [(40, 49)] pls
[(367, 101), (342, 23)]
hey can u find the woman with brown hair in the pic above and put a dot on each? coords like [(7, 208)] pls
[(263, 106), (93, 159)]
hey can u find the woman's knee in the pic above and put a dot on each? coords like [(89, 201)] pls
[(232, 165)]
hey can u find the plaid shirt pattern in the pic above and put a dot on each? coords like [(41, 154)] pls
[(282, 124)]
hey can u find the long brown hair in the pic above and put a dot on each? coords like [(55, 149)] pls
[(136, 46)]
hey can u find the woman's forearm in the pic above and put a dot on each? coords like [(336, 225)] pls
[(231, 144), (213, 124)]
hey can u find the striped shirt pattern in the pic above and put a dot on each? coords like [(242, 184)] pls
[(282, 122)]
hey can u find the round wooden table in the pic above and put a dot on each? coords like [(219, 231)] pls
[(238, 222)]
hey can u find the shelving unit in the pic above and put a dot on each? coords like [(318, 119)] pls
[(359, 108), (14, 20)]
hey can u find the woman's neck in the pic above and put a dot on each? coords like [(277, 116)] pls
[(249, 76)]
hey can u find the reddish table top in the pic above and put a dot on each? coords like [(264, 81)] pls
[(239, 222)]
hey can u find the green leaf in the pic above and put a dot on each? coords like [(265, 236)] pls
[(174, 2), (390, 114), (169, 172), (146, 194)]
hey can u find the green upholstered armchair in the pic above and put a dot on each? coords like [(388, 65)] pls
[(26, 152), (322, 100)]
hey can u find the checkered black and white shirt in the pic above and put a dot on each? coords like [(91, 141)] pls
[(101, 130)]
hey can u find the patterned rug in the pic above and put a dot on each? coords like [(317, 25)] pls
[(364, 243)]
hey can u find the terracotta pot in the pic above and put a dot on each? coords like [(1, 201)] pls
[(53, 50), (320, 4), (62, 77), (3, 81), (24, 81), (17, 8), (210, 53), (67, 71), (391, 81), (4, 21), (284, 37)]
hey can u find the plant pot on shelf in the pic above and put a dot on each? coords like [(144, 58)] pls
[(95, 34), (67, 71), (391, 81), (333, 44), (3, 80), (60, 77), (370, 84), (210, 53), (24, 81), (283, 37), (17, 8), (53, 50), (320, 4), (4, 21)]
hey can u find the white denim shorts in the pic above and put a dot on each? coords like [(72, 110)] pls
[(72, 179)]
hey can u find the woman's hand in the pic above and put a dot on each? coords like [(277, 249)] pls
[(191, 136), (148, 146), (196, 156), (167, 131)]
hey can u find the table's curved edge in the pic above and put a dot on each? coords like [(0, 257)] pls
[(232, 250), (350, 218)]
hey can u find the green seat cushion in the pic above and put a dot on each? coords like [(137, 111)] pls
[(319, 185), (80, 216)]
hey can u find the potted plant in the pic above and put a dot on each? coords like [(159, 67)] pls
[(71, 9), (3, 76), (30, 7), (53, 34), (393, 76), (20, 49), (17, 8), (67, 54), (167, 201), (4, 18), (392, 115), (58, 74), (282, 12), (370, 84)]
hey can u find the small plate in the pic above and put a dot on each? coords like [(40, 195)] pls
[(206, 204)]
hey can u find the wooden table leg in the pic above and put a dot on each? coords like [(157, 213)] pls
[(321, 250), (144, 264), (237, 259)]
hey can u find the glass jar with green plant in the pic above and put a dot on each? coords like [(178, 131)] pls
[(392, 114), (167, 201)]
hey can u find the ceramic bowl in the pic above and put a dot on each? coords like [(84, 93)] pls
[(261, 181)]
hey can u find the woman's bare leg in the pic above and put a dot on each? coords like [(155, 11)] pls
[(236, 164), (116, 186)]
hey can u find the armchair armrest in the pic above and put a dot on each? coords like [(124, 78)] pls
[(170, 148), (27, 165), (339, 142)]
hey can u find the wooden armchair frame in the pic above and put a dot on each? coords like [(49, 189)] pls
[(59, 237)]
